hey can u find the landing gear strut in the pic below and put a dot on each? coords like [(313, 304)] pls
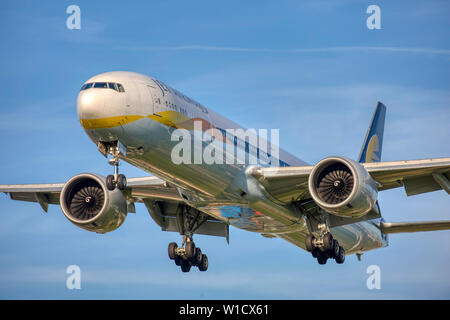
[(324, 248), (116, 180), (188, 255)]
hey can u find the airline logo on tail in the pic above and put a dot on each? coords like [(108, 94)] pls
[(372, 146), (373, 150)]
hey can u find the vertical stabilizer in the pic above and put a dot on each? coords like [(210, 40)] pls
[(373, 143)]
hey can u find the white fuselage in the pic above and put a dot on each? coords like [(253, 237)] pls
[(143, 115)]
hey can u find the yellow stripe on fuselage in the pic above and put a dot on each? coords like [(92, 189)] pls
[(110, 122), (172, 119)]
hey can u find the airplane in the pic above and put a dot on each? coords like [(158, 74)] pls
[(329, 209)]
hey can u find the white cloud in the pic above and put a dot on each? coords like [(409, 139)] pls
[(383, 49)]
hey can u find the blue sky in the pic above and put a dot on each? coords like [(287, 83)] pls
[(309, 68)]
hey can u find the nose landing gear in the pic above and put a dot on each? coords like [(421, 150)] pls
[(116, 180)]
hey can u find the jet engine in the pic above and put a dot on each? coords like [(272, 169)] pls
[(342, 187), (88, 204)]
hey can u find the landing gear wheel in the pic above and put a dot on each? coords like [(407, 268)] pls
[(121, 182), (185, 265), (198, 257), (327, 241), (172, 250), (315, 252), (309, 242), (335, 249), (341, 256), (187, 255), (203, 266), (322, 258), (190, 250), (110, 182)]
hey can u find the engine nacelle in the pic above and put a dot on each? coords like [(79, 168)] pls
[(88, 204), (342, 187)]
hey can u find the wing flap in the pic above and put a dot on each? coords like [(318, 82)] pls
[(171, 216), (421, 184), (209, 228), (49, 197)]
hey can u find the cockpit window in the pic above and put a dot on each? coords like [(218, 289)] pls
[(104, 85), (86, 86), (100, 85), (112, 85)]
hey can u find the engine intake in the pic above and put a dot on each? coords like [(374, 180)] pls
[(342, 187), (88, 204)]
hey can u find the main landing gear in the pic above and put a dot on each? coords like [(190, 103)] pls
[(188, 255), (324, 248), (117, 180)]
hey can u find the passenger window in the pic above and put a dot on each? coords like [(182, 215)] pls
[(112, 85), (120, 87), (100, 85)]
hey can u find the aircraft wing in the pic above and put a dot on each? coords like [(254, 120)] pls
[(416, 176), (161, 199), (48, 193), (42, 193), (285, 183)]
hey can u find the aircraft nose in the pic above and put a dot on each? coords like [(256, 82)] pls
[(101, 105), (90, 105)]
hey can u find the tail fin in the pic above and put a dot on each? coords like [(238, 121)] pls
[(373, 143)]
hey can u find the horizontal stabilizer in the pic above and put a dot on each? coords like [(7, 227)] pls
[(402, 227)]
